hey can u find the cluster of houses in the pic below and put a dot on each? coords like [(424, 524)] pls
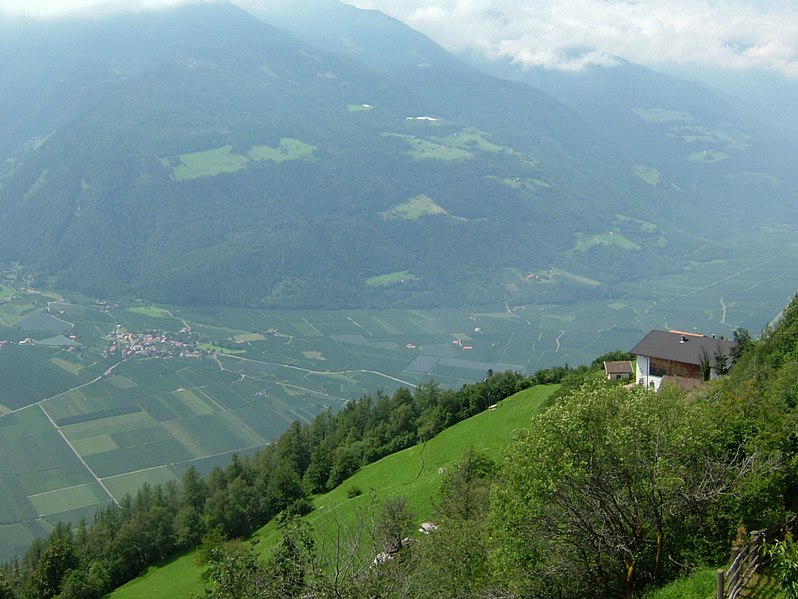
[(676, 357), (152, 345)]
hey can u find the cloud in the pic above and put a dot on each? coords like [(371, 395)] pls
[(45, 9), (569, 34), (560, 34)]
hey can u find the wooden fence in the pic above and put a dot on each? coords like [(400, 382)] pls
[(747, 561)]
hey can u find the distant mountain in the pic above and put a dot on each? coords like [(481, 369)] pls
[(200, 155), (716, 138)]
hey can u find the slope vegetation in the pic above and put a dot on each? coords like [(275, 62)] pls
[(414, 473)]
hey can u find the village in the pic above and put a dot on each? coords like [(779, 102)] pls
[(153, 344)]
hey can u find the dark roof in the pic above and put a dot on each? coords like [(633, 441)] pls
[(618, 367), (678, 346)]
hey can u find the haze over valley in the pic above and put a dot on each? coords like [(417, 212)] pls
[(218, 218)]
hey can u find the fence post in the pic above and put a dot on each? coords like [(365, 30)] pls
[(719, 577)]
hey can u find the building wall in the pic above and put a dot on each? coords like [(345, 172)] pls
[(660, 367), (649, 371)]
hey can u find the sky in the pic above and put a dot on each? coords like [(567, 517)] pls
[(567, 34)]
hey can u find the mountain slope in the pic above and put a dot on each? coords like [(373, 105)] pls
[(705, 142), (207, 157)]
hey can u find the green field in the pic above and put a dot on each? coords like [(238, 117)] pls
[(358, 107), (151, 311), (391, 278), (457, 146), (661, 115), (730, 138), (585, 241), (413, 209), (209, 163), (523, 184), (708, 156), (422, 149), (6, 292), (414, 473), (647, 173), (288, 149)]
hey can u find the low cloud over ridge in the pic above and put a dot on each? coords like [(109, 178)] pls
[(561, 34), (569, 34)]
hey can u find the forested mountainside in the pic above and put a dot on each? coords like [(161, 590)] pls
[(201, 156)]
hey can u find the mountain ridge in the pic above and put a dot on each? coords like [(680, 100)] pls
[(174, 181)]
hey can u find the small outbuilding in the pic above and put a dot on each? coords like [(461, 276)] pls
[(618, 370)]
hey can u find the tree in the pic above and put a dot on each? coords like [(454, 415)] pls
[(394, 523), (742, 343), (6, 592), (232, 569), (58, 558), (452, 561), (79, 584), (608, 483), (784, 561), (290, 564), (465, 490), (705, 365), (721, 363)]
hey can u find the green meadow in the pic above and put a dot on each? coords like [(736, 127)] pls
[(414, 473), (522, 184), (414, 208), (585, 241), (647, 173), (215, 161), (358, 107), (391, 278), (457, 146), (708, 156), (661, 115)]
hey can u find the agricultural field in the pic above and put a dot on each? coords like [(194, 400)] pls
[(135, 392)]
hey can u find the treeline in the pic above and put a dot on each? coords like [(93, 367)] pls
[(90, 559)]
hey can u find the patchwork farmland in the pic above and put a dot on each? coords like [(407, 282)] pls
[(99, 397)]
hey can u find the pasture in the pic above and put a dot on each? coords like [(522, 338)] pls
[(81, 428), (413, 209), (414, 473), (288, 149), (358, 107), (391, 278), (585, 241), (708, 156), (523, 184), (207, 163), (215, 161), (647, 173)]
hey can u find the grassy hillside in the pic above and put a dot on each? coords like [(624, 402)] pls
[(413, 473)]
